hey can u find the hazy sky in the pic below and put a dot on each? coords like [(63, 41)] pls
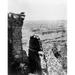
[(39, 9)]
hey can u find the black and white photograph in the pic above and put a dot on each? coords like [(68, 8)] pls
[(37, 37)]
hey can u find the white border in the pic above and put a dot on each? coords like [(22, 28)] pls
[(71, 36), (3, 37)]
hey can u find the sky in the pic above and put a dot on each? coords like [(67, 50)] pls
[(39, 9)]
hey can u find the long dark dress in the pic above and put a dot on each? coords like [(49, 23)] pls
[(34, 60)]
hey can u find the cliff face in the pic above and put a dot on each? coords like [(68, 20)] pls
[(15, 22), (15, 51)]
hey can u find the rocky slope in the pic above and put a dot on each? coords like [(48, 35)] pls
[(53, 37)]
